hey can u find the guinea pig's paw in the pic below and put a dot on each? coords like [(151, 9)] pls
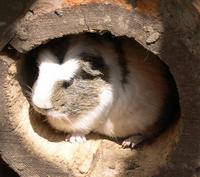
[(132, 141), (75, 138)]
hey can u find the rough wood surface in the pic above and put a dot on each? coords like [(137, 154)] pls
[(66, 17), (184, 17), (32, 150), (10, 13)]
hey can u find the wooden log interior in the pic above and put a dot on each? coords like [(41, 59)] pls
[(32, 148)]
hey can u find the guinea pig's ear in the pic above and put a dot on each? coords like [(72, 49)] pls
[(93, 64), (88, 68)]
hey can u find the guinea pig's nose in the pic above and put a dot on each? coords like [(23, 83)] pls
[(44, 108), (43, 105)]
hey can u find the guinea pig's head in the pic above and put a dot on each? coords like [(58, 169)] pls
[(72, 88)]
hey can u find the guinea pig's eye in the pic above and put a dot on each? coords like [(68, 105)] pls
[(66, 84)]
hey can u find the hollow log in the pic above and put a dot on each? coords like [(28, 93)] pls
[(31, 148)]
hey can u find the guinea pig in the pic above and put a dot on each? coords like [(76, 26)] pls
[(91, 83)]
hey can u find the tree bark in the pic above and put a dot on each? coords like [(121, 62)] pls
[(32, 148)]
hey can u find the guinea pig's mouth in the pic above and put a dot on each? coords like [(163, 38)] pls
[(56, 114), (43, 111), (50, 112)]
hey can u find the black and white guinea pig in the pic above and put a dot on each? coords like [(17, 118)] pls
[(91, 83)]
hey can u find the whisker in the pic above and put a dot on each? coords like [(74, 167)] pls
[(28, 93), (28, 96), (26, 86)]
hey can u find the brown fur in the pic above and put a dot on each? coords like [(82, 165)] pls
[(82, 95)]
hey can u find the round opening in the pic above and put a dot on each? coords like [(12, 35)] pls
[(163, 132), (29, 72)]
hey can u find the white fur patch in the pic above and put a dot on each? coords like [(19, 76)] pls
[(50, 71)]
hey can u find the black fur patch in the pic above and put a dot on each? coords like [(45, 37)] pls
[(122, 61), (59, 48)]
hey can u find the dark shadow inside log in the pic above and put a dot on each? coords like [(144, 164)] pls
[(6, 171)]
